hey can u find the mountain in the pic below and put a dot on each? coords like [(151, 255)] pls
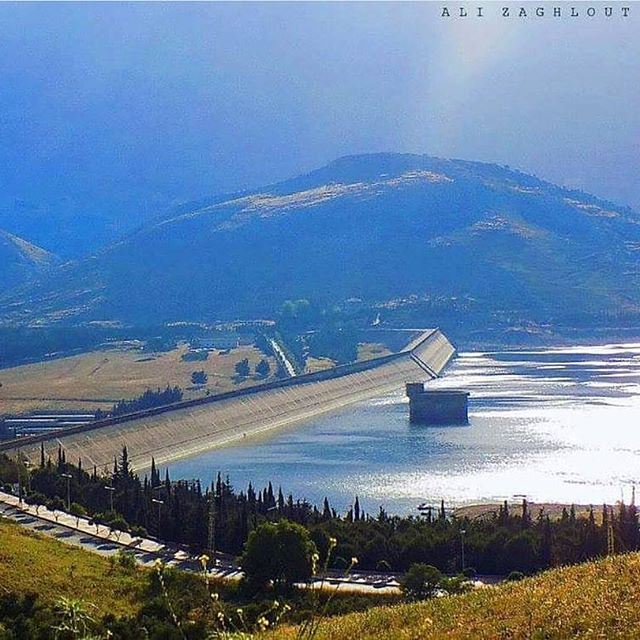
[(20, 260), (483, 240)]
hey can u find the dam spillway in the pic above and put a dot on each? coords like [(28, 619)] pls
[(191, 427)]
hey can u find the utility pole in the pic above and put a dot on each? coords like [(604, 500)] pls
[(68, 476), (462, 533), (111, 491)]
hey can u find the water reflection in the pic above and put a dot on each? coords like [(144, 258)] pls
[(557, 425)]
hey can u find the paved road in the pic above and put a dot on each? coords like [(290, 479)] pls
[(100, 539)]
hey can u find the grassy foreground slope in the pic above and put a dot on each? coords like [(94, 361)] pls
[(32, 563), (592, 600)]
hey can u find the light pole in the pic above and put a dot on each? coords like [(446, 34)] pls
[(110, 490), (462, 534), (211, 527), (159, 503), (68, 476), (19, 464)]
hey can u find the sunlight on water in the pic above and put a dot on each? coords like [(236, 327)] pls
[(557, 425)]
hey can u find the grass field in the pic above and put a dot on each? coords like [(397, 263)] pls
[(97, 379), (592, 600), (31, 563), (370, 350)]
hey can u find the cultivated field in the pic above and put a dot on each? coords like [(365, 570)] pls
[(97, 379)]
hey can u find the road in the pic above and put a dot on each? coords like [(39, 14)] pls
[(102, 540)]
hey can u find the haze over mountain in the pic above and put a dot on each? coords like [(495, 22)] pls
[(378, 227), (112, 112)]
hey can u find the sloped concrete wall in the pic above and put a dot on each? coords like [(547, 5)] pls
[(182, 430)]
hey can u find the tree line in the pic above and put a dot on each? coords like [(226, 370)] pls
[(222, 518), (147, 400)]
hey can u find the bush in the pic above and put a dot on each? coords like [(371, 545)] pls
[(469, 572), (126, 559), (514, 576), (421, 582), (199, 377)]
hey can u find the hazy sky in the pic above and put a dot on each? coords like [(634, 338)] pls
[(109, 106)]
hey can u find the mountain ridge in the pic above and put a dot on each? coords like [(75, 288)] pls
[(375, 227)]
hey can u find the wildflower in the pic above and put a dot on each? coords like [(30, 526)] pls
[(220, 616), (276, 604), (204, 559), (158, 564), (239, 612), (354, 560), (263, 623), (332, 542), (215, 597)]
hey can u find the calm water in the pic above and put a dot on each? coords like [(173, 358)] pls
[(557, 425)]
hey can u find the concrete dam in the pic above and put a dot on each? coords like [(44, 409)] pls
[(194, 426)]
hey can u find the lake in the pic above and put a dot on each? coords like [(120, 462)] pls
[(558, 425)]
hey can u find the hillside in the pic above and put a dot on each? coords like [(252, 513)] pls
[(592, 600), (32, 563), (472, 243), (20, 260)]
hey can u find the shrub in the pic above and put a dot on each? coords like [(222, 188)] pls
[(421, 581), (514, 576)]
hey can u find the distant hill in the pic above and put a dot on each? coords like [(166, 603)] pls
[(482, 241), (20, 260)]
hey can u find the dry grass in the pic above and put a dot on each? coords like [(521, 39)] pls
[(370, 350), (31, 563), (593, 600), (97, 379), (318, 364), (551, 509)]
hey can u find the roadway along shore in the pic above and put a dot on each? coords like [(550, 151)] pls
[(101, 539)]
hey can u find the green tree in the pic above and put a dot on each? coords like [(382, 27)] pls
[(281, 553), (421, 582), (242, 368), (199, 377), (262, 368)]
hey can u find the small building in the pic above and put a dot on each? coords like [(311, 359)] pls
[(438, 406)]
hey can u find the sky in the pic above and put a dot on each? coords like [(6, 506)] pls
[(110, 109)]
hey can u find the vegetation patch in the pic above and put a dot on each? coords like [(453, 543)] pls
[(33, 563), (593, 600)]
